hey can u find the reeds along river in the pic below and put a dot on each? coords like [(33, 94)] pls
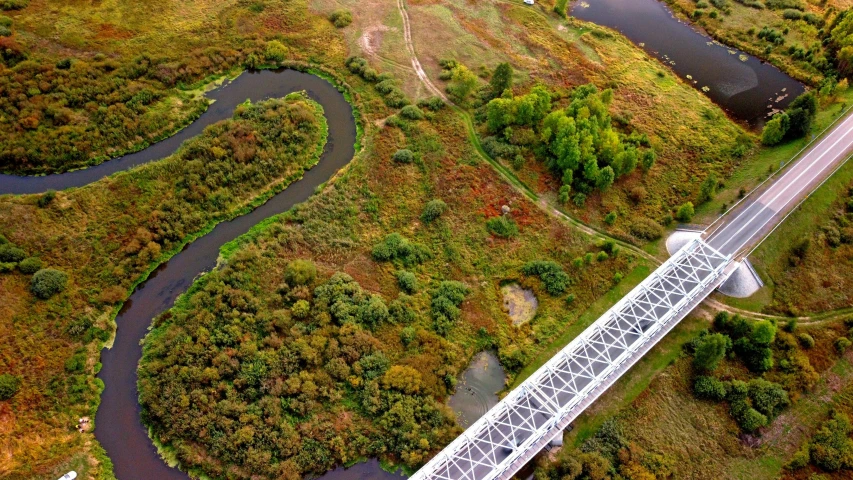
[(747, 88)]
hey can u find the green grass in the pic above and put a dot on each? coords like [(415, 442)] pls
[(635, 381)]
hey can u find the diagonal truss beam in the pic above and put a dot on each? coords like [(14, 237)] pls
[(494, 445)]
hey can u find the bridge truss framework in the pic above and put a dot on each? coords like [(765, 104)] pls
[(511, 433)]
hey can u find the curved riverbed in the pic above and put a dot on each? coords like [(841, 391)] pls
[(119, 429), (741, 84)]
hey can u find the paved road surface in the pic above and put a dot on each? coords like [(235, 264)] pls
[(750, 222)]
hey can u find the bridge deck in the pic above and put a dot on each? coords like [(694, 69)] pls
[(500, 442)]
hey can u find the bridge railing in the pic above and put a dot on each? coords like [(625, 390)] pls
[(494, 446)]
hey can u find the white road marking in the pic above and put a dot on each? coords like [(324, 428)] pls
[(764, 205), (796, 165)]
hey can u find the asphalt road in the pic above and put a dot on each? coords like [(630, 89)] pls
[(752, 220)]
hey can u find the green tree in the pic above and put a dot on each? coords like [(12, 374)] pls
[(685, 212), (501, 79), (606, 176), (462, 83), (708, 189), (709, 388), (775, 129), (710, 351)]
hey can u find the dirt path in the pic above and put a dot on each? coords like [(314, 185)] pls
[(416, 64), (502, 171)]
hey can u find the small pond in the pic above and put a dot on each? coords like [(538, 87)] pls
[(477, 390), (519, 303), (746, 87)]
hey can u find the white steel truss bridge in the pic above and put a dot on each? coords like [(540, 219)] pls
[(511, 433)]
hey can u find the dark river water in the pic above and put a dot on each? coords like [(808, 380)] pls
[(747, 88)]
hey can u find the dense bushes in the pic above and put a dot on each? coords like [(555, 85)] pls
[(445, 305), (552, 275), (685, 212), (577, 142), (48, 282), (709, 388), (272, 389), (396, 248)]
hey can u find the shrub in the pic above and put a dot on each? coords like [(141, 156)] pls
[(610, 218), (445, 305), (275, 51), (341, 18), (842, 344), (411, 112), (30, 265), (5, 21), (709, 388), (9, 253), (47, 282), (13, 4), (395, 247), (300, 272), (552, 275), (46, 198), (685, 212), (432, 103), (602, 256), (646, 229), (5, 31), (407, 281), (403, 156), (432, 210), (751, 420), (9, 385), (502, 227), (806, 340), (710, 350)]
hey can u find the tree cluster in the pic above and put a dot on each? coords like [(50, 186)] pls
[(234, 373)]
